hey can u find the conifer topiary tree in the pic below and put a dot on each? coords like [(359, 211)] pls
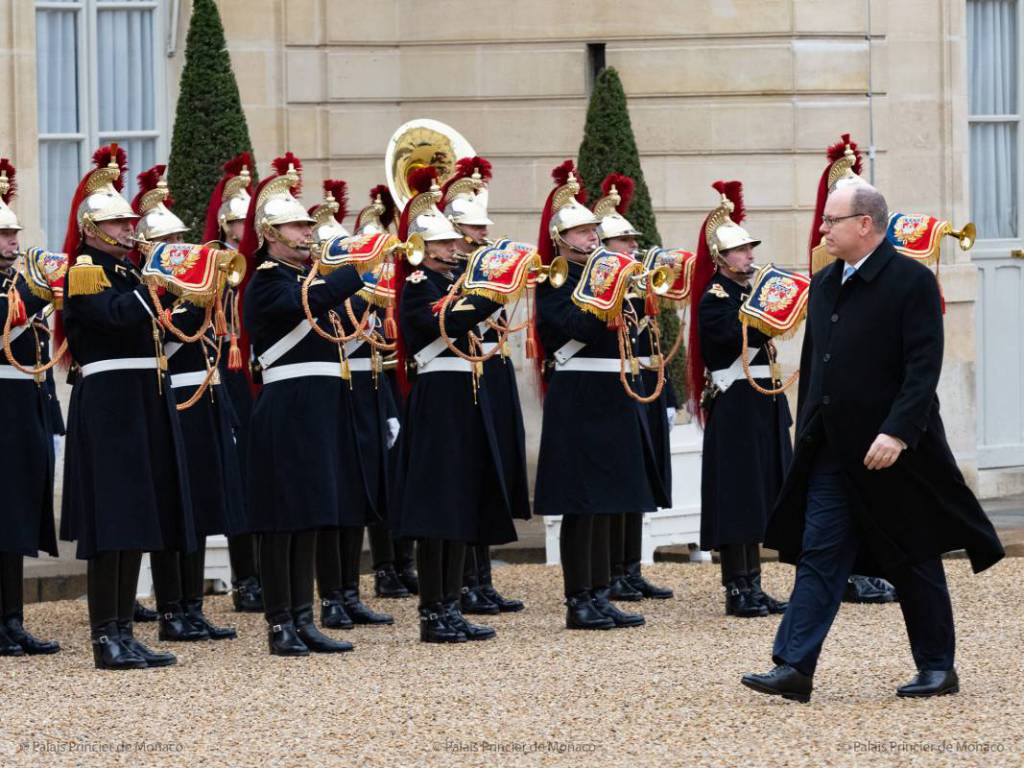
[(609, 147), (209, 124)]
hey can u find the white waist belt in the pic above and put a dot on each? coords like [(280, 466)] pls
[(300, 370), (10, 372), (488, 346), (120, 364), (725, 377), (446, 365), (192, 379), (590, 365), (360, 364)]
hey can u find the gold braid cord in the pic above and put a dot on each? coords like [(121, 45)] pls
[(372, 338), (474, 341), (676, 346), (656, 349), (744, 358), (12, 297), (164, 318), (341, 338), (201, 390)]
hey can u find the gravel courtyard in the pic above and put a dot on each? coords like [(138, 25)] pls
[(666, 694)]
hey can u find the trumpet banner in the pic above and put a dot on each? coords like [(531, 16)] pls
[(604, 283), (681, 264), (500, 271), (917, 235), (364, 252), (44, 273), (186, 270), (379, 285), (777, 303)]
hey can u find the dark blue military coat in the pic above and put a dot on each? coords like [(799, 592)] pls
[(125, 473), (213, 465), (451, 480), (301, 438), (747, 448), (26, 442), (596, 450)]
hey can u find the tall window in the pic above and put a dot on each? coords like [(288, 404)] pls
[(100, 79), (994, 99)]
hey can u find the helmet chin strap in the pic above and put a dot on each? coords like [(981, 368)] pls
[(92, 228), (467, 239), (272, 233), (724, 265), (562, 243)]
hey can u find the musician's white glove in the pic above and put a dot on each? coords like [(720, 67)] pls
[(671, 418), (393, 429)]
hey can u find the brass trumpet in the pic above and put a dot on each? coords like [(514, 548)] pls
[(965, 236), (554, 273), (660, 280), (232, 266), (413, 249)]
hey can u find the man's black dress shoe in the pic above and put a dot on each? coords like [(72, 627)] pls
[(930, 682), (785, 681)]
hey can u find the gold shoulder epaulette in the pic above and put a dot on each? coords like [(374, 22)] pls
[(267, 265), (86, 278), (719, 291)]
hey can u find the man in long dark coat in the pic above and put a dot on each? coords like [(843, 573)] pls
[(27, 414), (873, 481)]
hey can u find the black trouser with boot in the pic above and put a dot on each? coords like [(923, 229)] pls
[(440, 564), (178, 577), (477, 572), (288, 568), (12, 598), (113, 580), (338, 552), (625, 535), (243, 551), (382, 546), (740, 562), (583, 545)]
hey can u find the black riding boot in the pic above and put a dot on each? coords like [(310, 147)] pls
[(739, 599), (12, 608), (485, 580)]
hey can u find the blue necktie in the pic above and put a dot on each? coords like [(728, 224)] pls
[(848, 271)]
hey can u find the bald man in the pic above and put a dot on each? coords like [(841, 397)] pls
[(873, 483)]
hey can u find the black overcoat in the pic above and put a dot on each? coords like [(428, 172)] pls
[(125, 473), (26, 442), (596, 451), (451, 482), (747, 447), (218, 506), (301, 475), (657, 410), (372, 405), (507, 415), (870, 364)]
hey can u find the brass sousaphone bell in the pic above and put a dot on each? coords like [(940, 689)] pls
[(417, 144)]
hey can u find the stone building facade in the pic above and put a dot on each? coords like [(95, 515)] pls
[(746, 89)]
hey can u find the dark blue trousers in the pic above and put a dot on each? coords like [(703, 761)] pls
[(830, 546)]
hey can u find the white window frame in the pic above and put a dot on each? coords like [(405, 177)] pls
[(89, 136), (1005, 244)]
